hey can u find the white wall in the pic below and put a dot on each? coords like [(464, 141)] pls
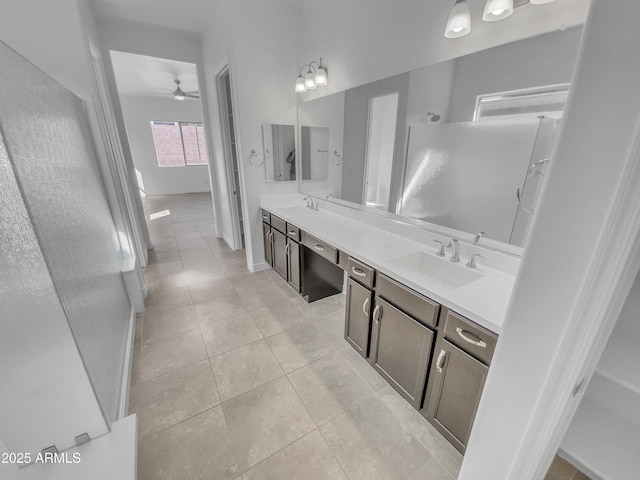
[(138, 112), (515, 422)]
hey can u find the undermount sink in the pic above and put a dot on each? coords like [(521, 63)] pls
[(297, 209), (440, 270)]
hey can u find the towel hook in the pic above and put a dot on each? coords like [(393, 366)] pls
[(336, 156), (253, 154)]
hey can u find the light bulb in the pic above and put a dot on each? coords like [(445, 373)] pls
[(300, 88), (497, 10), (459, 23), (321, 75), (309, 80)]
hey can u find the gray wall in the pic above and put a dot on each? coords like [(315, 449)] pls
[(512, 66), (356, 118), (47, 134)]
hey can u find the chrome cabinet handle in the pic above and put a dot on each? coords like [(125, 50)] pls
[(319, 247), (286, 250), (271, 237), (463, 334), (265, 217), (292, 232), (364, 307), (358, 272), (376, 313), (440, 361)]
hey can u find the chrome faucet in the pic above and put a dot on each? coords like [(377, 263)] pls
[(443, 245), (309, 201), (456, 250), (315, 207), (472, 261), (331, 195), (478, 236)]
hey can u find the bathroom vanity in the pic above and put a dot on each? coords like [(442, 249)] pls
[(427, 325)]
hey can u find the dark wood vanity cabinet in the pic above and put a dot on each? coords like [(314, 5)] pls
[(293, 257), (402, 337), (357, 324), (279, 259), (459, 369), (268, 248)]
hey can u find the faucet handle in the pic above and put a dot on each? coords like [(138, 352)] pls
[(443, 245), (472, 261)]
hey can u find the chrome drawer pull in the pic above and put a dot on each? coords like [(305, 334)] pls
[(319, 247), (376, 314), (265, 217), (292, 232), (364, 307), (286, 250), (477, 343), (358, 272), (440, 361)]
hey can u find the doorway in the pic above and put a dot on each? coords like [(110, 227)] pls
[(381, 139), (231, 157)]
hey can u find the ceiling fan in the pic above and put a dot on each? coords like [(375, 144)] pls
[(179, 94)]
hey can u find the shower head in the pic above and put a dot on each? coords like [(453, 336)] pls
[(434, 117)]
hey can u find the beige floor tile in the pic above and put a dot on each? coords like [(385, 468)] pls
[(164, 257), (370, 444), (272, 320), (562, 469), (331, 325), (171, 398), (220, 308), (450, 459), (230, 333), (162, 323), (299, 346), (191, 243), (250, 280), (238, 267), (160, 269), (261, 297), (170, 353), (244, 368), (363, 368), (264, 420), (431, 470), (413, 421), (196, 252), (168, 298), (329, 387), (203, 291), (306, 459), (197, 449)]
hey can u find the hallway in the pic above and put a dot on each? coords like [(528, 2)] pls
[(235, 376)]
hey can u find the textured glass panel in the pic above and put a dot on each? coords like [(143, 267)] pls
[(202, 145), (166, 138), (464, 175), (47, 134)]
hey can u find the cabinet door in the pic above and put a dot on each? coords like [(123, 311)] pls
[(279, 253), (293, 252), (357, 325), (456, 384), (266, 236), (400, 350)]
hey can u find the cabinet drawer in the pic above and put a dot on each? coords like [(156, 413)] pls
[(343, 260), (470, 337), (278, 223), (418, 306), (360, 272), (321, 248), (266, 216), (293, 232)]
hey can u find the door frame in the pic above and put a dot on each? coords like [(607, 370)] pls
[(222, 71)]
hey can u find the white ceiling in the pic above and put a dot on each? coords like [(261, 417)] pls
[(188, 15), (151, 76)]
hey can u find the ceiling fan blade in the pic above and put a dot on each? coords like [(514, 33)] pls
[(189, 95)]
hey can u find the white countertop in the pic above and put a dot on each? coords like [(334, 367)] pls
[(483, 300)]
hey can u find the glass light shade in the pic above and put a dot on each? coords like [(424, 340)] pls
[(309, 80), (459, 23), (321, 76), (300, 88), (178, 96), (540, 2), (497, 10)]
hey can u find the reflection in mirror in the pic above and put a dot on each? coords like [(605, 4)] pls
[(469, 150), (314, 147), (279, 152)]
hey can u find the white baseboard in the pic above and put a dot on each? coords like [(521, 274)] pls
[(123, 407), (259, 267)]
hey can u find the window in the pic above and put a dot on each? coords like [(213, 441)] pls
[(548, 101), (179, 143)]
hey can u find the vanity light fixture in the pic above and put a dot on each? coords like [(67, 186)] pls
[(459, 22), (497, 10), (316, 76)]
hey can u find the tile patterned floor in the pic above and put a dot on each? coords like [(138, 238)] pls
[(235, 377), (560, 469)]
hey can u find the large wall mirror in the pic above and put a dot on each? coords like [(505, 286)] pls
[(279, 152), (463, 144)]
